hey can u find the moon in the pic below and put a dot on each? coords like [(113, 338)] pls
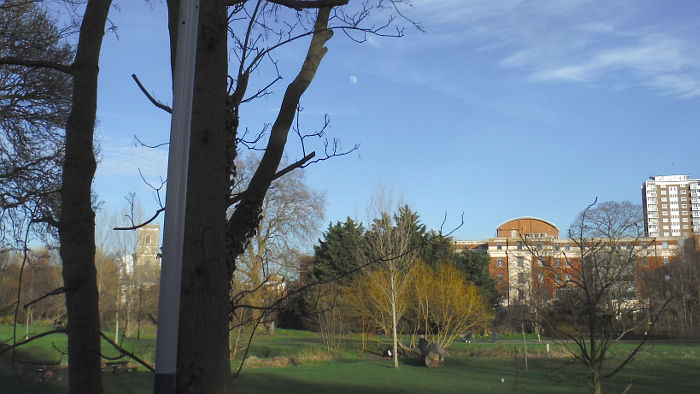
[(353, 79)]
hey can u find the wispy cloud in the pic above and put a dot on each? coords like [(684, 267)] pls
[(126, 157), (578, 41)]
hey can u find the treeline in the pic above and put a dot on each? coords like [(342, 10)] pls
[(38, 272), (393, 274), (128, 297)]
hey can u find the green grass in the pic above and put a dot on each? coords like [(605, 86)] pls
[(477, 367)]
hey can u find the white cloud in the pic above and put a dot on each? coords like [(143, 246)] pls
[(353, 79)]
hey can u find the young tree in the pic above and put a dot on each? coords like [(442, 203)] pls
[(474, 266), (447, 304), (599, 304), (393, 242)]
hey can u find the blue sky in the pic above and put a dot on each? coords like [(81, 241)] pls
[(500, 109)]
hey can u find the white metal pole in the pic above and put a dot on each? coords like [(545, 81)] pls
[(173, 232)]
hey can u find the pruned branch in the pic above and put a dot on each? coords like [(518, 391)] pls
[(137, 226), (151, 98)]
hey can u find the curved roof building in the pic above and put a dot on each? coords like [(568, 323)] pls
[(526, 225)]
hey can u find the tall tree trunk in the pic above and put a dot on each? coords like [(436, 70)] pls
[(393, 321), (77, 219), (203, 353)]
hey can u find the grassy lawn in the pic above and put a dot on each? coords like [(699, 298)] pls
[(476, 367)]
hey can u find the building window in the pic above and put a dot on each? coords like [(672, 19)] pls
[(567, 247), (500, 262), (540, 263), (500, 278), (666, 260), (521, 278), (665, 244), (644, 245), (520, 246), (645, 262), (568, 277), (540, 277), (539, 246), (557, 247), (148, 239), (684, 198), (667, 277), (557, 262), (568, 262), (499, 246), (683, 191), (521, 262)]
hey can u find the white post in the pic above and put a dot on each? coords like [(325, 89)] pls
[(173, 232)]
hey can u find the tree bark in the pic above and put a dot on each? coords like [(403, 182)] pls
[(203, 352), (77, 219)]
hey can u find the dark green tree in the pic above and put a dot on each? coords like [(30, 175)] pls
[(340, 253), (475, 266)]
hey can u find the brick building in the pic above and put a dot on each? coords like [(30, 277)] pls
[(528, 257)]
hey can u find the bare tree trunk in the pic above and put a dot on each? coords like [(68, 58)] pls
[(393, 321), (77, 219), (203, 352)]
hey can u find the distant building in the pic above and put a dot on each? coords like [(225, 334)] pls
[(671, 206), (528, 257)]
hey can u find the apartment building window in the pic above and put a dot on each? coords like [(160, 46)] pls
[(557, 247), (685, 226), (684, 198), (664, 199), (667, 277), (540, 277), (665, 220), (665, 244), (665, 228), (684, 212), (539, 246), (683, 191), (500, 262), (557, 262), (666, 260), (684, 205), (540, 263), (663, 191), (521, 278), (645, 262), (644, 245), (568, 277), (500, 278), (568, 262), (521, 262), (629, 246), (567, 247), (665, 213), (520, 246)]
